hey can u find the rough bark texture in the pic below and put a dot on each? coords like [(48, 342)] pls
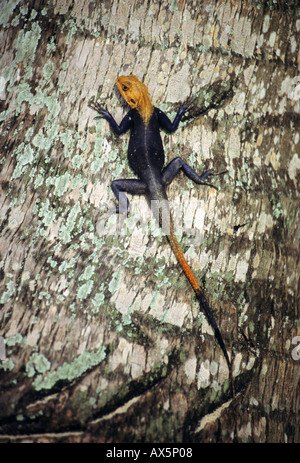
[(101, 339)]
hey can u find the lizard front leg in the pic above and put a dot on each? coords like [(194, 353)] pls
[(104, 114)]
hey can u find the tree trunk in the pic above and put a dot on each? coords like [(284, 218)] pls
[(101, 338)]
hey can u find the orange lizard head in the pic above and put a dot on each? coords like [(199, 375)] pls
[(136, 94)]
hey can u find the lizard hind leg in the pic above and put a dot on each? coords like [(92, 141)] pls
[(122, 186), (177, 164)]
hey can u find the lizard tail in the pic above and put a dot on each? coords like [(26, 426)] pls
[(176, 248), (200, 296)]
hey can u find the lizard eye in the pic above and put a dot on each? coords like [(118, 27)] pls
[(132, 101), (125, 88)]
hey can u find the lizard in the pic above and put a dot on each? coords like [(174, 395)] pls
[(147, 160)]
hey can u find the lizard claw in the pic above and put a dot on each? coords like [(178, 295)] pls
[(183, 109), (92, 104), (203, 178), (207, 173), (187, 106), (220, 173), (97, 107)]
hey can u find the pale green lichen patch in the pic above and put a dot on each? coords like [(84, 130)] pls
[(115, 282), (26, 46), (7, 364), (37, 363), (68, 226), (6, 12), (47, 213), (10, 290), (98, 299), (48, 70), (70, 371), (25, 156), (67, 265), (14, 340), (77, 161), (85, 290), (88, 272), (61, 184)]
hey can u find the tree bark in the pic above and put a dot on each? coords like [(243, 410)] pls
[(101, 338)]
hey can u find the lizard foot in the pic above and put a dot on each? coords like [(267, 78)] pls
[(97, 107), (207, 173)]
